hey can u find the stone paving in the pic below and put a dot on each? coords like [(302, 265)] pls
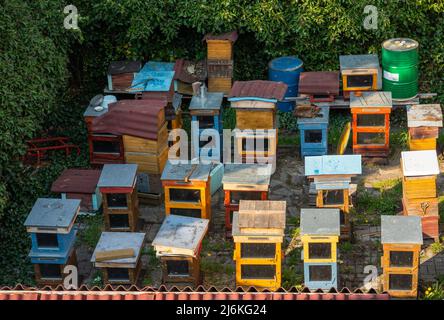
[(289, 184)]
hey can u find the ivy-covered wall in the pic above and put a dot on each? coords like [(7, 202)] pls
[(47, 73)]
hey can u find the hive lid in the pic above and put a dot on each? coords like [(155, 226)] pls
[(333, 165), (322, 117), (154, 81), (360, 61), (120, 240), (158, 66), (319, 83), (322, 221), (180, 234), (419, 163), (262, 214), (371, 99), (288, 63), (76, 181), (211, 101), (230, 36), (180, 171), (118, 175), (401, 229), (119, 67), (424, 115), (53, 213), (247, 174), (260, 90), (400, 44)]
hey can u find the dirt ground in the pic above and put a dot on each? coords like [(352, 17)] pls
[(288, 183)]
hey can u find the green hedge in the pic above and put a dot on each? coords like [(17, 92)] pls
[(47, 73)]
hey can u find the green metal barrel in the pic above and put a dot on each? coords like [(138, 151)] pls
[(400, 61)]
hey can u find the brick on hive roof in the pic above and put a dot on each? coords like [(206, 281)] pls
[(319, 82), (76, 181), (231, 36), (138, 118), (258, 88)]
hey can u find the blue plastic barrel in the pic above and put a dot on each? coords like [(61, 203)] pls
[(287, 70)]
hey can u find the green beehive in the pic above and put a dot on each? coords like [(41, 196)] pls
[(400, 61)]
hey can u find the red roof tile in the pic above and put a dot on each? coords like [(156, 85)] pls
[(76, 181), (232, 36), (259, 89), (162, 293), (319, 83), (138, 118)]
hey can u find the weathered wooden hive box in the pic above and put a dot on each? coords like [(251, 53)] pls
[(331, 176), (319, 235), (258, 232), (51, 227), (401, 239), (320, 86), (424, 121), (178, 244), (121, 74), (187, 189), (420, 198), (104, 147), (314, 133), (255, 104), (187, 73), (206, 113), (220, 61), (80, 184), (117, 184), (244, 181), (371, 123), (360, 73), (117, 255)]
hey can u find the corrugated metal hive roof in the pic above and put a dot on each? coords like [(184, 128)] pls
[(76, 181)]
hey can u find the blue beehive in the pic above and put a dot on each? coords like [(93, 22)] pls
[(314, 134), (51, 226), (287, 70), (206, 111)]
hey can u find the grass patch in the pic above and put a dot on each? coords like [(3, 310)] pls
[(209, 247), (345, 247), (94, 227), (285, 139), (293, 220), (399, 139), (210, 266), (387, 201)]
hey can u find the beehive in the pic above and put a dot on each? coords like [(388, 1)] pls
[(187, 189), (121, 74), (320, 86), (258, 231), (243, 182), (178, 244), (360, 73), (319, 235), (116, 268), (117, 184), (313, 133), (51, 227), (371, 123), (424, 121), (80, 184), (331, 177), (420, 169), (401, 239)]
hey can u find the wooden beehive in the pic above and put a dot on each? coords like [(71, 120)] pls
[(121, 74), (118, 269), (371, 123), (80, 184), (331, 177), (420, 169), (117, 184), (360, 73), (178, 244), (424, 121), (187, 189), (401, 239), (258, 230), (320, 86), (320, 230), (220, 85), (313, 133), (51, 227), (243, 182)]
